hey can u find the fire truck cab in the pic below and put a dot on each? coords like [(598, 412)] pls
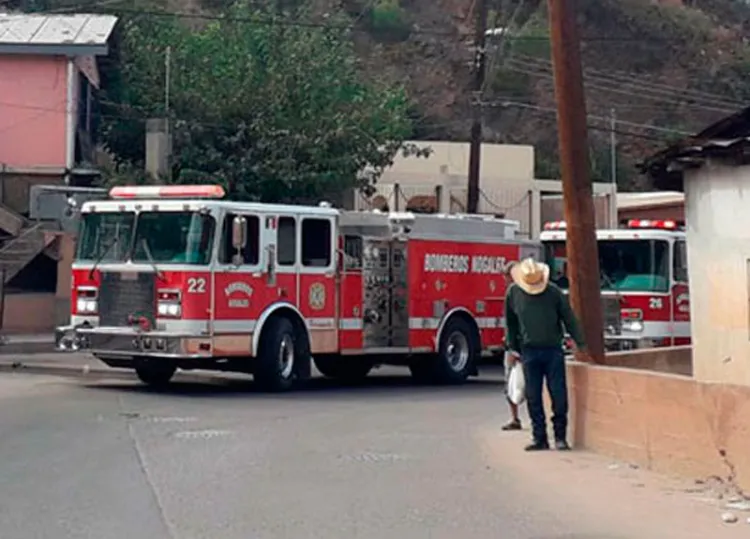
[(169, 277), (644, 281)]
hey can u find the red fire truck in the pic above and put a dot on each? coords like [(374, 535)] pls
[(644, 281), (169, 277)]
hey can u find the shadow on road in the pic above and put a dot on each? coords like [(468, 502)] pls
[(212, 386)]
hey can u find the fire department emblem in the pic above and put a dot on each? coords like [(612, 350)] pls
[(317, 296)]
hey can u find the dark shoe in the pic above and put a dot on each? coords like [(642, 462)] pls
[(562, 445), (537, 446), (512, 425)]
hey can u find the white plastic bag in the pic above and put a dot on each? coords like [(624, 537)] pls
[(516, 384)]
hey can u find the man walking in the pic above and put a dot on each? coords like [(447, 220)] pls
[(535, 313)]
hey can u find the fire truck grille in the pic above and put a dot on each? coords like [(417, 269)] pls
[(122, 295)]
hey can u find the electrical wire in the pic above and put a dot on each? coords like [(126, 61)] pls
[(510, 102), (620, 85), (343, 27), (641, 92), (623, 77)]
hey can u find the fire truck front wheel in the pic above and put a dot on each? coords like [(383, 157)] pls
[(458, 352), (155, 373), (275, 364)]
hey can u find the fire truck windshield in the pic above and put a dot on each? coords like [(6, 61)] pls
[(627, 265), (151, 237), (173, 237), (105, 236)]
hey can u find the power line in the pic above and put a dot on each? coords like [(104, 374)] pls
[(624, 79), (549, 110), (642, 91), (142, 114), (270, 21)]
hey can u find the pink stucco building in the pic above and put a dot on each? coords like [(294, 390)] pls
[(48, 79)]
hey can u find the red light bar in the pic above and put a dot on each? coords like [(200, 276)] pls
[(555, 225), (649, 223), (167, 191)]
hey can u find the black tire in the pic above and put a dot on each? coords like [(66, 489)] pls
[(155, 373), (458, 352), (345, 369), (277, 355), (422, 369)]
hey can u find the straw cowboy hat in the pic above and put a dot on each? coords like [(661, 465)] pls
[(531, 276)]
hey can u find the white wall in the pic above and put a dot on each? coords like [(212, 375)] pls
[(449, 164), (717, 211)]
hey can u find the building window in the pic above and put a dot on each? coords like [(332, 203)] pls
[(286, 241), (316, 243)]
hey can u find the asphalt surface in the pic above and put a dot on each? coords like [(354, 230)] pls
[(103, 457)]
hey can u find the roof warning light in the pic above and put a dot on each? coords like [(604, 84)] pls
[(167, 191)]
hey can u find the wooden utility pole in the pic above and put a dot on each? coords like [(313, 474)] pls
[(475, 149), (583, 260)]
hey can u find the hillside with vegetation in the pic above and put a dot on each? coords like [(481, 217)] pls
[(313, 90), (661, 70)]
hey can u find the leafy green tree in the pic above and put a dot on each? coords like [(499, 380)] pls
[(273, 110)]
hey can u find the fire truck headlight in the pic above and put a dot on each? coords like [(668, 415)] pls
[(632, 325), (86, 306), (169, 309)]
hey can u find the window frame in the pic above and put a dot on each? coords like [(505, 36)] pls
[(680, 245), (297, 237), (229, 215), (332, 246)]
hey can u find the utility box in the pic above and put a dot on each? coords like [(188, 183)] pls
[(61, 203)]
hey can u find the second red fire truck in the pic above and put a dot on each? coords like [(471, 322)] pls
[(169, 277), (644, 281)]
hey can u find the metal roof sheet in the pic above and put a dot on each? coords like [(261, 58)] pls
[(728, 136), (653, 198), (57, 34)]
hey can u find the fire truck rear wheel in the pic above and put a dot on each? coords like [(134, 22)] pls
[(457, 353), (156, 374), (274, 369)]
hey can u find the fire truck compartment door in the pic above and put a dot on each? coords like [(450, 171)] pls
[(385, 297)]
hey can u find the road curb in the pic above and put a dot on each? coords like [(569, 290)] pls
[(83, 370), (25, 348)]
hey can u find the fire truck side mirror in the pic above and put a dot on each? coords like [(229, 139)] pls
[(239, 232)]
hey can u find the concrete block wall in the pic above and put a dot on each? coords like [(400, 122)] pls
[(670, 423)]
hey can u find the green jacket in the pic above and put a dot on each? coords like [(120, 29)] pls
[(538, 320)]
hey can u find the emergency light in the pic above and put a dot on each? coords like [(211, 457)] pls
[(650, 223), (167, 191), (555, 225)]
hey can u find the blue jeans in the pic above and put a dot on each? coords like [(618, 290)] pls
[(540, 364)]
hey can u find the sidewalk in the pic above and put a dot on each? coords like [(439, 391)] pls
[(27, 344), (63, 363)]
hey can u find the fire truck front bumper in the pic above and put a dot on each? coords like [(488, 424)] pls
[(115, 342)]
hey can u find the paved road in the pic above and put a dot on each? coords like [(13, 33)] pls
[(106, 458)]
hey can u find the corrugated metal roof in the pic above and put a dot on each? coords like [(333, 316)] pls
[(652, 198), (55, 34), (729, 136)]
